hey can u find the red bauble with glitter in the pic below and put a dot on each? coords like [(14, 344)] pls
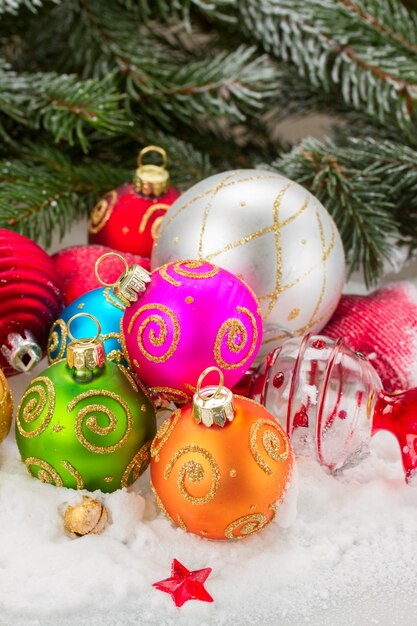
[(31, 298), (127, 219), (76, 266)]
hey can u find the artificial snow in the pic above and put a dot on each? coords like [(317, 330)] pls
[(345, 553), (348, 556)]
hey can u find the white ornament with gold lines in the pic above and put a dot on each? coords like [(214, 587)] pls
[(270, 231)]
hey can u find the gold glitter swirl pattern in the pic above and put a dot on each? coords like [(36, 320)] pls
[(137, 465), (164, 431), (176, 395), (246, 525), (101, 213), (107, 293), (75, 473), (57, 342), (148, 214), (116, 356), (38, 402), (274, 442), (87, 419), (194, 472), (46, 473), (3, 388), (128, 377), (160, 504), (156, 337), (237, 337), (185, 269)]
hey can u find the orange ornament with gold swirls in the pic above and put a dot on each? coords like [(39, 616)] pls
[(221, 466), (6, 407)]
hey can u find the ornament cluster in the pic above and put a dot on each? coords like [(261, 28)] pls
[(239, 261)]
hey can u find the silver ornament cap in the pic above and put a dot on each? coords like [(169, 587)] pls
[(213, 405), (22, 352)]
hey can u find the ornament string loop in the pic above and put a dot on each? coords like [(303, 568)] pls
[(99, 261), (84, 339), (156, 149), (203, 375)]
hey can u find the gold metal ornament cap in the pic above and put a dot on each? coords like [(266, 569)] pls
[(213, 405), (130, 283), (151, 180), (84, 355)]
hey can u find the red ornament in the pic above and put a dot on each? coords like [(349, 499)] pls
[(184, 585), (76, 267), (31, 299), (382, 325), (127, 218)]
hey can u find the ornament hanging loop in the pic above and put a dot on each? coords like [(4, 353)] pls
[(86, 355), (213, 405), (84, 339), (101, 259), (156, 149), (130, 283), (202, 377)]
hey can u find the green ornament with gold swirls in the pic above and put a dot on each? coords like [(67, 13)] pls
[(93, 435)]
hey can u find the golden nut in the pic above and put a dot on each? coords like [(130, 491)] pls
[(87, 517)]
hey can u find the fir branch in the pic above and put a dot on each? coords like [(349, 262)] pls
[(13, 6), (162, 81), (63, 105), (344, 45), (370, 189), (44, 192)]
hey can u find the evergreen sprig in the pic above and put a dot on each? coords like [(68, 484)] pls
[(46, 189), (348, 46), (87, 83), (63, 105), (370, 189)]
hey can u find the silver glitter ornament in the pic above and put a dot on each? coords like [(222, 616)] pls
[(270, 231)]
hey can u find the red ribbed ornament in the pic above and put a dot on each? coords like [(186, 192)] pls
[(127, 219), (31, 298)]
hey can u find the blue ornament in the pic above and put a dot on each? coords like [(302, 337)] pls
[(106, 307)]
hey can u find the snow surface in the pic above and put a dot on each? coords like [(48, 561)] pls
[(348, 556)]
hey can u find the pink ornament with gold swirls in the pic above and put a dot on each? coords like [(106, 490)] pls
[(192, 316)]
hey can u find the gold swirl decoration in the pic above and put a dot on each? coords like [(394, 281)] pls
[(57, 340), (157, 337), (274, 442), (236, 334), (46, 473), (137, 465), (101, 213), (164, 431), (174, 395), (194, 472), (185, 269), (161, 504), (87, 417), (74, 473), (111, 299), (37, 403), (246, 525), (148, 214)]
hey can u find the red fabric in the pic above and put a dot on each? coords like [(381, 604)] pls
[(383, 324)]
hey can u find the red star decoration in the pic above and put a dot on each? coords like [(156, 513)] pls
[(184, 585)]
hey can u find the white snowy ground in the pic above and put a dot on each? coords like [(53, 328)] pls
[(349, 557)]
